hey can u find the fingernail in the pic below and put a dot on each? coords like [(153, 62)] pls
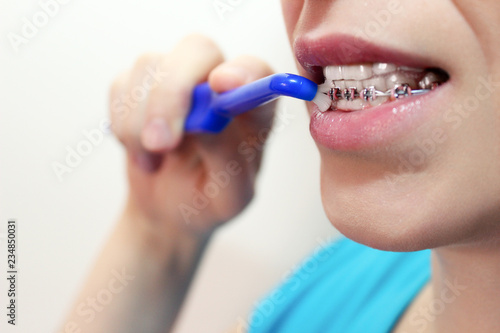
[(157, 135)]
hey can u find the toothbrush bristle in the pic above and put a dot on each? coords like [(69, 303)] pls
[(322, 101)]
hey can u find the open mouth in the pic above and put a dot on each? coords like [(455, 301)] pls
[(358, 87), (371, 96)]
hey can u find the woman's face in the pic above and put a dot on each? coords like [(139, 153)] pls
[(421, 171)]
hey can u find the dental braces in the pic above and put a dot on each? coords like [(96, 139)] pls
[(370, 93)]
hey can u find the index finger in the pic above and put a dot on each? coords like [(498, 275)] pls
[(188, 64)]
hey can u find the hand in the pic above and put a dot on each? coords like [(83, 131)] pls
[(184, 183)]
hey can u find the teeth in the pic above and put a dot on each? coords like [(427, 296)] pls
[(411, 69), (397, 79), (380, 84), (428, 80), (333, 72), (354, 84), (379, 101), (354, 72), (382, 77), (341, 84), (383, 68), (357, 104), (357, 72)]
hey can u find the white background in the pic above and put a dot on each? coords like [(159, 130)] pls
[(55, 86)]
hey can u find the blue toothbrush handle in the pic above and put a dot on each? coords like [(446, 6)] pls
[(211, 112)]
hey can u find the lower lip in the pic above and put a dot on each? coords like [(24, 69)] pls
[(376, 126)]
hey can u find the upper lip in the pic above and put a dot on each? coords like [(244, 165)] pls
[(314, 54)]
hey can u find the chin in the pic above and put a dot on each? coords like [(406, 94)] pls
[(383, 229), (415, 214)]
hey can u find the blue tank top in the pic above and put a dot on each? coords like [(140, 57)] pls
[(344, 287)]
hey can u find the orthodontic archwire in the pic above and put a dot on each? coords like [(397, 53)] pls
[(370, 93)]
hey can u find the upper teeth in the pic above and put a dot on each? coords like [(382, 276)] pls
[(382, 68), (363, 71)]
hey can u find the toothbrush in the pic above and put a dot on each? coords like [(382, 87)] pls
[(211, 112)]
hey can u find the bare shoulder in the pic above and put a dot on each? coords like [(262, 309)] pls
[(405, 323)]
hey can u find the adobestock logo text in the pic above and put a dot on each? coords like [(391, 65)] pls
[(32, 24)]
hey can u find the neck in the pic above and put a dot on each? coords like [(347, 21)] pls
[(466, 289)]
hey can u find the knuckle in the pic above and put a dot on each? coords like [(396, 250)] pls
[(145, 60), (263, 67), (171, 97), (128, 132), (118, 110), (117, 127), (249, 58), (117, 85), (200, 44), (200, 39), (117, 130)]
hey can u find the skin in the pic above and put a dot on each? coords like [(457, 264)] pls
[(153, 241), (451, 203), (361, 202)]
